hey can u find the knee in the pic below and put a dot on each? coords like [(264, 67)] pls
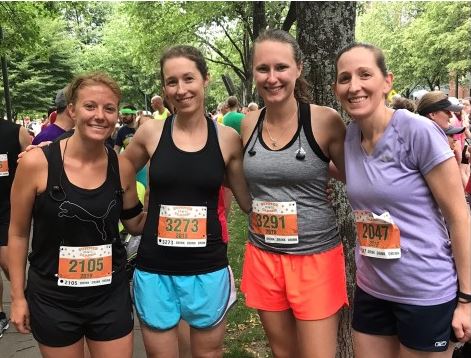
[(214, 353), (284, 352)]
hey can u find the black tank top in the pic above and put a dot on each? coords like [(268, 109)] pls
[(65, 214), (9, 146), (184, 178)]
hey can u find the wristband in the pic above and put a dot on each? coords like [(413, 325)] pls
[(130, 213), (464, 297)]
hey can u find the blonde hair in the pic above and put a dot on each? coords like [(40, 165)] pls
[(90, 79)]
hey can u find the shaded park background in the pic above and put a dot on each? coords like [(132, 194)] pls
[(44, 44)]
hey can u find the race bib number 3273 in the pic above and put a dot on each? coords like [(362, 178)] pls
[(182, 226)]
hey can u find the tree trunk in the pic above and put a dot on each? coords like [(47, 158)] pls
[(323, 28)]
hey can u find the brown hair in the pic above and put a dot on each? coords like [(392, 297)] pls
[(429, 99), (90, 79), (377, 52), (189, 52), (232, 102), (401, 102), (301, 88)]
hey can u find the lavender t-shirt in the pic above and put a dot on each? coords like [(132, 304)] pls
[(392, 179)]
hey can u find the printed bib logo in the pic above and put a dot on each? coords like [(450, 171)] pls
[(4, 165), (182, 226), (85, 266), (378, 236), (276, 221)]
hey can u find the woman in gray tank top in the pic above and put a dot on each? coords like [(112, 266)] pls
[(294, 271)]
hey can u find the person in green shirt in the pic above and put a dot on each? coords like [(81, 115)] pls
[(233, 118)]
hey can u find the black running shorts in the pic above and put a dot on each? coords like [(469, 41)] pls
[(423, 328), (60, 322)]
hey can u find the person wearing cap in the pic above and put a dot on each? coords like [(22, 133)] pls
[(126, 132), (451, 132), (62, 124), (437, 106)]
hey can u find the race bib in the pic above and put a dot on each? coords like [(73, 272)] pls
[(4, 165), (182, 226), (377, 235), (85, 266), (276, 221)]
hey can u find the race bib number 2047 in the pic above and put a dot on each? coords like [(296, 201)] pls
[(377, 235)]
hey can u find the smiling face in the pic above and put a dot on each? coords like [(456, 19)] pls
[(184, 85), (95, 111), (360, 85), (275, 71)]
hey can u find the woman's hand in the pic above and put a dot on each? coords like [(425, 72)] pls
[(462, 322), (20, 315)]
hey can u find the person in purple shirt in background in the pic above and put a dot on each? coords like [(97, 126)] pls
[(62, 124), (413, 293)]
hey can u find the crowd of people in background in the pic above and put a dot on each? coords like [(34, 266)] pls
[(406, 169)]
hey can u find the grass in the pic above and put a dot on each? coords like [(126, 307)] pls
[(245, 337)]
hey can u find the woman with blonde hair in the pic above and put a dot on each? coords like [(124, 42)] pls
[(77, 288)]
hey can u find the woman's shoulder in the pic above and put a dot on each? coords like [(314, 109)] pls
[(326, 119), (324, 114), (248, 124), (410, 124), (34, 159)]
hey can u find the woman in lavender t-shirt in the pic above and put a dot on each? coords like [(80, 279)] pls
[(403, 184)]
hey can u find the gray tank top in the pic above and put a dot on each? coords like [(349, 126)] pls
[(279, 176)]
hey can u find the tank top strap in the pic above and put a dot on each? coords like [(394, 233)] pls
[(305, 114), (256, 131), (54, 165), (113, 170)]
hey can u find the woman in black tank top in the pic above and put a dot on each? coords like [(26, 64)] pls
[(190, 156), (75, 190)]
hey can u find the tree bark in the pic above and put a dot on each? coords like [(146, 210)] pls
[(323, 28), (259, 19)]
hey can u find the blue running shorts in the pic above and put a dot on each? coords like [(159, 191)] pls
[(201, 300)]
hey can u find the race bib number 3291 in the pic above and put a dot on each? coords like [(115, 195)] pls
[(182, 226), (276, 221)]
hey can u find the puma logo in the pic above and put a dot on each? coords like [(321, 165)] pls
[(71, 210)]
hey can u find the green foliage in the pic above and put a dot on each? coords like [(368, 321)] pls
[(118, 55), (424, 42), (37, 73), (19, 24), (222, 30), (84, 19)]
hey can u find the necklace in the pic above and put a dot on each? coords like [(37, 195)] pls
[(273, 141)]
